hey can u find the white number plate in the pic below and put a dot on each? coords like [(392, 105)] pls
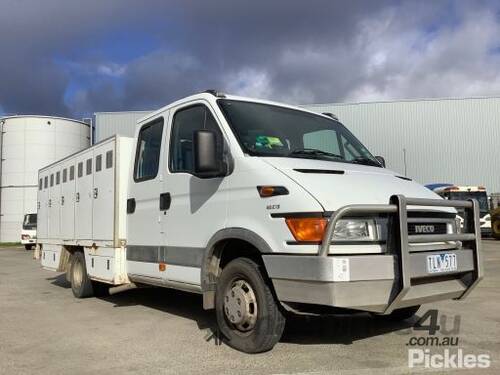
[(441, 263)]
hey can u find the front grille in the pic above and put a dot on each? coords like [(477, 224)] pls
[(427, 228)]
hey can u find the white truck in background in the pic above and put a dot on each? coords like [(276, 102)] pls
[(28, 231), (465, 192), (261, 207)]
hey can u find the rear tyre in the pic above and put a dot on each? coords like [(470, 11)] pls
[(81, 285), (248, 315), (402, 314)]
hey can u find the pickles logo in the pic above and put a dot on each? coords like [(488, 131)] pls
[(449, 359), (424, 350)]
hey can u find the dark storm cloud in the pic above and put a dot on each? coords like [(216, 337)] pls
[(74, 58)]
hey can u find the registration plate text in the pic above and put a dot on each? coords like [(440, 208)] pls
[(441, 263)]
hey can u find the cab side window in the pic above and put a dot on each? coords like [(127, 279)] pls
[(185, 123), (147, 156)]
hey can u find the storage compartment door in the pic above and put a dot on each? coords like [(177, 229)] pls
[(68, 201), (42, 218), (54, 202), (104, 192), (83, 196)]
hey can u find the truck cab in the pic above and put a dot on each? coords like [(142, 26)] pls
[(265, 209), (456, 192), (28, 232)]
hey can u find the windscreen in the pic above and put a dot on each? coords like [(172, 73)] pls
[(268, 130), (29, 221), (480, 196)]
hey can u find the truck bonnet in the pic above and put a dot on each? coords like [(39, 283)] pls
[(336, 184)]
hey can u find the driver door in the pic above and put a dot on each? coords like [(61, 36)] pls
[(194, 208)]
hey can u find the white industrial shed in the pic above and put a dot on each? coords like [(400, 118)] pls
[(429, 140), (27, 144), (121, 123)]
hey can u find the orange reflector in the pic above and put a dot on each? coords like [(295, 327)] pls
[(162, 267), (307, 228), (271, 191), (266, 191)]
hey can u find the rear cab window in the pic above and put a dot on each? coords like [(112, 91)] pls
[(147, 155)]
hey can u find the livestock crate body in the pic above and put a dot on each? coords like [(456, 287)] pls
[(82, 202)]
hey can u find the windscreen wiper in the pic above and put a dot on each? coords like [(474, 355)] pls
[(366, 161), (314, 152)]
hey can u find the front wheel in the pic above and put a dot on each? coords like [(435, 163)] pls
[(248, 315), (29, 247)]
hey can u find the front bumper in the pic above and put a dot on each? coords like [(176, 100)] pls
[(363, 282), (31, 241), (385, 282)]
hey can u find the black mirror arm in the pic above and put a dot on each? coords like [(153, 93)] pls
[(381, 160)]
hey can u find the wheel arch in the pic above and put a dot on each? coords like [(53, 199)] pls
[(251, 245)]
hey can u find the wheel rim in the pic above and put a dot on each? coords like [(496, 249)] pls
[(240, 305), (77, 274)]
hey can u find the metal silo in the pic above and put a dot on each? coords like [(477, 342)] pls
[(28, 143)]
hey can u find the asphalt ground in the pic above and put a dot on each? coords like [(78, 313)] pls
[(45, 330)]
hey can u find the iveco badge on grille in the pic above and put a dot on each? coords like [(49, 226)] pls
[(424, 228)]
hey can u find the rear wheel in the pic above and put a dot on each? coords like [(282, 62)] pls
[(81, 284), (248, 315)]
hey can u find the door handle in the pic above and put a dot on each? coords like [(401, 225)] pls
[(77, 197), (96, 193), (165, 200), (130, 205), (62, 200)]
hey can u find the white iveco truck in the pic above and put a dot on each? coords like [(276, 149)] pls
[(262, 208)]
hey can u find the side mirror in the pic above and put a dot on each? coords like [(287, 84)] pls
[(208, 160), (381, 160)]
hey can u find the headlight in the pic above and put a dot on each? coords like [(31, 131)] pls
[(307, 229), (313, 229), (353, 229)]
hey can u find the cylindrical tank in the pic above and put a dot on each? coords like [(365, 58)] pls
[(28, 143)]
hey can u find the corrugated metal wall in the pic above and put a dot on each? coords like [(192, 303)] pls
[(108, 124), (445, 140)]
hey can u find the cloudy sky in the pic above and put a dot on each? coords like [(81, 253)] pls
[(73, 58)]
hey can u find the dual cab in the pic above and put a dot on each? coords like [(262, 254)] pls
[(263, 208)]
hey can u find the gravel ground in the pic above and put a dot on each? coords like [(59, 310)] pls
[(45, 330)]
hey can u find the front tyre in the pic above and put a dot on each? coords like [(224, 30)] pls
[(81, 285), (248, 315)]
